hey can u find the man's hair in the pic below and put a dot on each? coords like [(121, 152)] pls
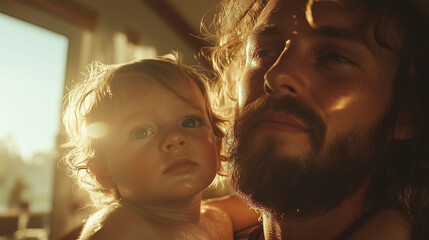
[(89, 100), (403, 179)]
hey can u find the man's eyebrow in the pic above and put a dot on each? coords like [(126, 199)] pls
[(341, 33), (266, 30)]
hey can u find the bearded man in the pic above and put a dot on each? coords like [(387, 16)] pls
[(332, 120)]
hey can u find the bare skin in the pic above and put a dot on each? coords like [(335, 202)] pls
[(124, 223), (238, 211)]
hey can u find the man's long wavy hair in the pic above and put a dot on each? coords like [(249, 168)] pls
[(402, 181)]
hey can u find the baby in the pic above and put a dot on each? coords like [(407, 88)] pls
[(150, 144)]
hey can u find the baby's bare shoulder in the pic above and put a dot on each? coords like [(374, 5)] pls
[(217, 221), (116, 223), (213, 212)]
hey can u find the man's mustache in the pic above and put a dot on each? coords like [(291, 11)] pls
[(286, 104)]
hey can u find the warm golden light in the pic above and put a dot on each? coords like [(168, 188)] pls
[(309, 13), (97, 129), (342, 103)]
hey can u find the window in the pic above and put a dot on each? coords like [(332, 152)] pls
[(32, 72)]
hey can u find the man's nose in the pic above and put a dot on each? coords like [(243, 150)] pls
[(285, 75), (174, 141)]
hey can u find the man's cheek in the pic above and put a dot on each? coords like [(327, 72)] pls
[(243, 90), (251, 86)]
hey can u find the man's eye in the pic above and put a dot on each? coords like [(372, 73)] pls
[(141, 133), (335, 58), (263, 53), (191, 122)]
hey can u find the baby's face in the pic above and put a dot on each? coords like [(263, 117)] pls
[(162, 149)]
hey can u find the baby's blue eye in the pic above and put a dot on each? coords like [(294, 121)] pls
[(141, 133), (191, 122)]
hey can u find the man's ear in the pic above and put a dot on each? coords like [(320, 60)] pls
[(101, 173), (406, 127), (405, 132)]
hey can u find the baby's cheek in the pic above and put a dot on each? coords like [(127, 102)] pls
[(204, 136)]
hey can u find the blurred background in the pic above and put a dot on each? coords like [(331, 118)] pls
[(45, 46)]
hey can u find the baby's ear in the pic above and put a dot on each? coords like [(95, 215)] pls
[(101, 173)]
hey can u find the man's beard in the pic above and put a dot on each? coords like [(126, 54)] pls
[(302, 186)]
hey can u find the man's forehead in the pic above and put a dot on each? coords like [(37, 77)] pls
[(293, 11), (289, 17)]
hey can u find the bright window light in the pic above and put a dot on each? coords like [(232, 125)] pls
[(32, 73)]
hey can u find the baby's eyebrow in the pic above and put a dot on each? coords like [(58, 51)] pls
[(196, 107)]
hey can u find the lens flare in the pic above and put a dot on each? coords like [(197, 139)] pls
[(97, 129)]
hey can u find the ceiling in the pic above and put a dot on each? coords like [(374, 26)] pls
[(183, 16), (193, 11), (160, 22)]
